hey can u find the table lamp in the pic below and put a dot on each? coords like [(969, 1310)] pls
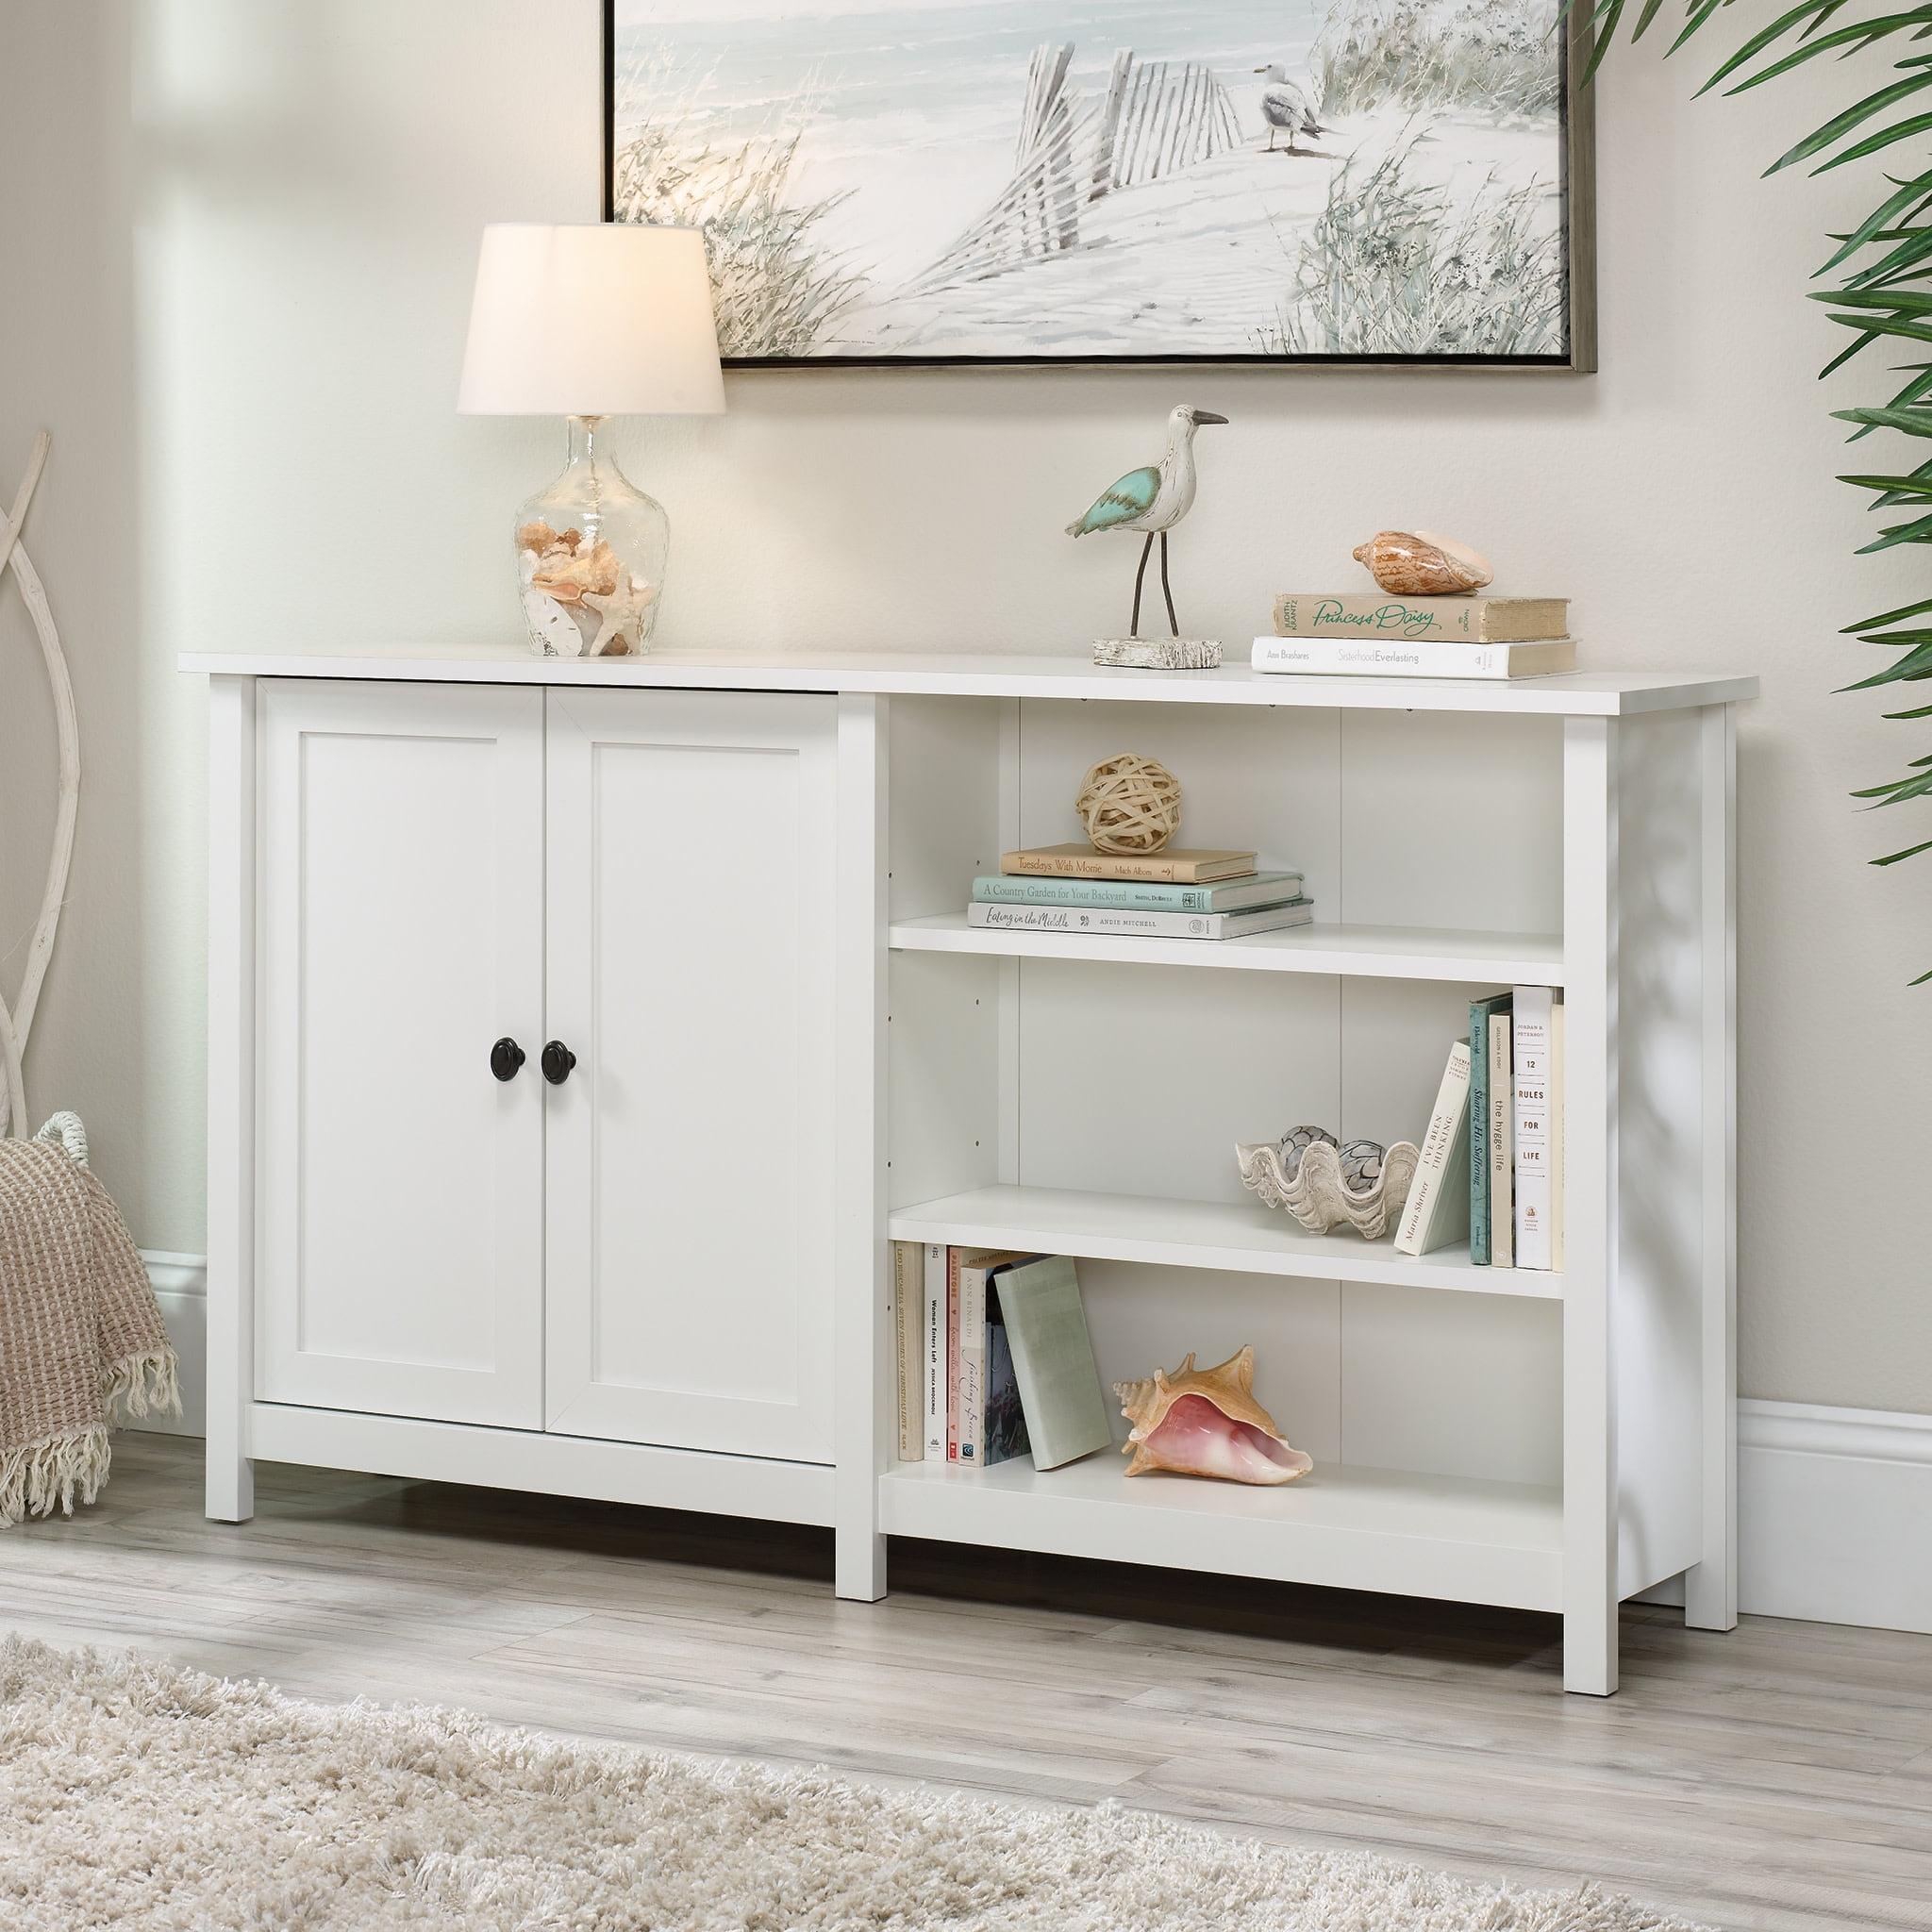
[(587, 322)]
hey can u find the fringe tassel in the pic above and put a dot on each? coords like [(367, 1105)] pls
[(144, 1384), (63, 1469)]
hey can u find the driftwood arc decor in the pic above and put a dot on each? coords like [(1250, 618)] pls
[(16, 1022)]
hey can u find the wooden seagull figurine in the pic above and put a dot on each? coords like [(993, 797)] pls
[(1153, 500), (1285, 107)]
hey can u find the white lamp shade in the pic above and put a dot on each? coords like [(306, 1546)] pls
[(604, 319)]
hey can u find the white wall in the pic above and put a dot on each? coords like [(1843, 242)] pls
[(237, 296)]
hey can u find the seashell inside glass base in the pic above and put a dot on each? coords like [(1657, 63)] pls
[(1317, 1189)]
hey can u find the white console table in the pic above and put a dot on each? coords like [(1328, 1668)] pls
[(580, 1033)]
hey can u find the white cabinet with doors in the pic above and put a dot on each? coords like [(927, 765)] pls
[(543, 1081)]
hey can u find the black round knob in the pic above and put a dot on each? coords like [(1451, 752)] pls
[(506, 1056), (558, 1061)]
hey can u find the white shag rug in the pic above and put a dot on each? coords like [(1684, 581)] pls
[(135, 1794)]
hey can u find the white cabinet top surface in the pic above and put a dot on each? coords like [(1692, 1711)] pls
[(932, 673)]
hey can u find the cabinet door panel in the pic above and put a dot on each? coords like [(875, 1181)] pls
[(689, 1155), (401, 1204)]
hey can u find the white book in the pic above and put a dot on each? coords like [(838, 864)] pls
[(936, 1390), (1535, 1010), (1437, 1210), (1557, 1163), (1502, 1142), (1113, 922), (1395, 657)]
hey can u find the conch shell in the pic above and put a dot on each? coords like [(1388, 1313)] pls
[(1206, 1421), (1423, 564)]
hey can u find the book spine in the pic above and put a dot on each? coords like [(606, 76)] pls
[(1480, 1021), (1120, 895), (1558, 1137), (1435, 1172), (973, 1364), (1381, 658), (1457, 619), (935, 1341), (952, 1355), (1148, 868), (1157, 925), (1502, 1167), (908, 1334), (1533, 1018)]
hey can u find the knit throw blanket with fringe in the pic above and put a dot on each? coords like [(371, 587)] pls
[(80, 1331)]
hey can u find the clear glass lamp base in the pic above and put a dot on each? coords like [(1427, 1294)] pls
[(590, 552)]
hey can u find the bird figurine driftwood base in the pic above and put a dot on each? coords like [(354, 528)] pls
[(1151, 500)]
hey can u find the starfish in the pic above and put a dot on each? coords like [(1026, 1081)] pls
[(620, 615)]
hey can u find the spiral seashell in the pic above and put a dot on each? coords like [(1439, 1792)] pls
[(1206, 1421), (1420, 564)]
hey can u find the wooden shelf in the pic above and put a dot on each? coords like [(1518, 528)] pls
[(1246, 1238), (1377, 952), (1345, 1526)]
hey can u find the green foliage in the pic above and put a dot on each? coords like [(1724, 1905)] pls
[(1392, 268), (1882, 269), (1492, 55)]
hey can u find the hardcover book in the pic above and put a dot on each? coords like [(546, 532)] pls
[(1146, 926), (908, 1336), (1173, 867), (1535, 1010), (1005, 1416), (1502, 1144), (1484, 1016), (1457, 619), (1395, 656), (976, 1269), (1053, 1361), (1128, 895), (1437, 1210), (935, 1352), (1558, 1165)]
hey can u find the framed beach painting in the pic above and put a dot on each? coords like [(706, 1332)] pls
[(929, 182)]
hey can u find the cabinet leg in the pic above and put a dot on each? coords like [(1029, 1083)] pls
[(230, 1488), (858, 1565), (1590, 1653)]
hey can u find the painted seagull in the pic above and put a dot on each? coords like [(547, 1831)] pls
[(1153, 500), (1285, 108)]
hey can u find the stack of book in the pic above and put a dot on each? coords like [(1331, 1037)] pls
[(1492, 1165), (1374, 635), (1169, 895), (994, 1359)]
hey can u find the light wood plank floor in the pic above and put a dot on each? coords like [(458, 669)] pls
[(1774, 1779)]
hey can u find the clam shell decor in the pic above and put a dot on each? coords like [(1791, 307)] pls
[(1206, 1421), (1129, 804), (1420, 564), (1362, 1184)]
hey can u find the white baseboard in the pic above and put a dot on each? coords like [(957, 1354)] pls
[(1832, 1503), (181, 1283)]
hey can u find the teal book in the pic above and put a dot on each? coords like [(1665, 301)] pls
[(1053, 1361), (1138, 895), (1480, 1014)]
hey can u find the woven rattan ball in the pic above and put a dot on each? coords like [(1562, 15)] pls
[(1129, 804)]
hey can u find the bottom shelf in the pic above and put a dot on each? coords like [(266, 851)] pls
[(1346, 1527)]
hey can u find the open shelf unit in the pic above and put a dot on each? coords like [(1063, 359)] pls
[(1546, 1440)]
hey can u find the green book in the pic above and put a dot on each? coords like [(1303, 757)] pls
[(1132, 896), (1053, 1361), (1480, 1014)]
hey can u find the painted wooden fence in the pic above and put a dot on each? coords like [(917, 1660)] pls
[(1155, 117)]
